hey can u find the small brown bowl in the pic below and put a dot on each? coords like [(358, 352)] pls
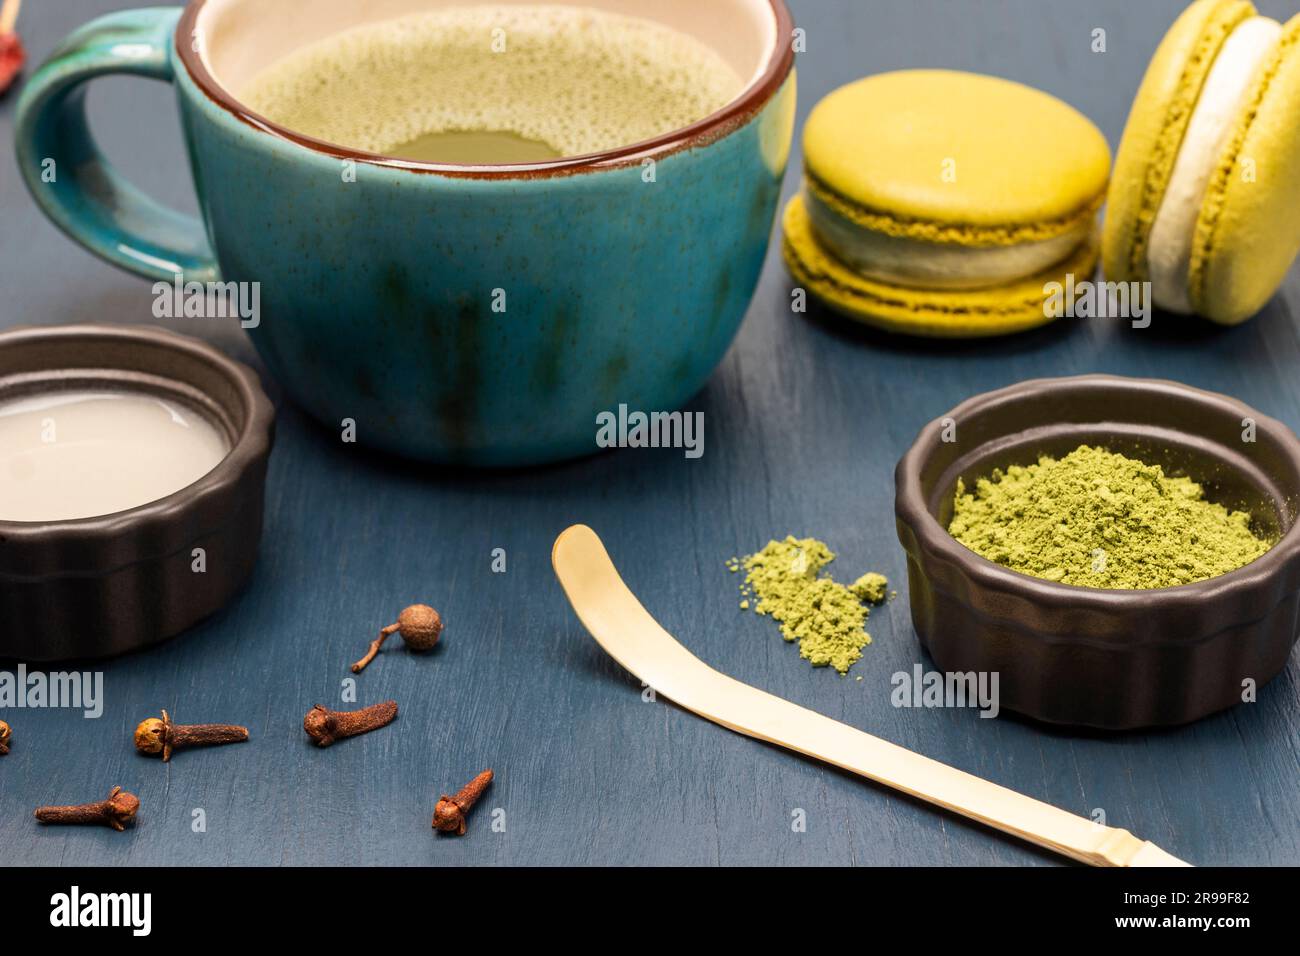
[(1098, 658), (96, 587)]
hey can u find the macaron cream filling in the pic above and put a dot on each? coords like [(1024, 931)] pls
[(899, 260), (1169, 249)]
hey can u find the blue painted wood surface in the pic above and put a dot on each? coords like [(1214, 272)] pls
[(804, 423)]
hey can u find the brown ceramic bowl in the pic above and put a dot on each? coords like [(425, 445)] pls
[(100, 586), (1105, 658)]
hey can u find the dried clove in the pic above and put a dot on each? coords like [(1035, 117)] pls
[(419, 625), (117, 811), (449, 814), (326, 726), (158, 735), (6, 735)]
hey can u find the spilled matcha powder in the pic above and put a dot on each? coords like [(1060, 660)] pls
[(826, 618), (1098, 519)]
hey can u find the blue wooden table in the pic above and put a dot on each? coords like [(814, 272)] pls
[(804, 423)]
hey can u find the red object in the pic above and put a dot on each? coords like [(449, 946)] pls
[(12, 57)]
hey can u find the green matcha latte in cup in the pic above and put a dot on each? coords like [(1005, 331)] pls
[(474, 225), (495, 84)]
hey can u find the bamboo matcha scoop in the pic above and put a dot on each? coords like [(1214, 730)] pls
[(631, 636)]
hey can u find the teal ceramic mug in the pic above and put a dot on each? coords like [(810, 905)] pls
[(378, 299)]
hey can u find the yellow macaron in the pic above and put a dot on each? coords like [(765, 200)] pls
[(942, 203), (1205, 201)]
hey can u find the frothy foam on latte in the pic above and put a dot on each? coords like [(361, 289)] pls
[(578, 80)]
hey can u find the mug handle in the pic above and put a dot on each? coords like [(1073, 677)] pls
[(69, 177)]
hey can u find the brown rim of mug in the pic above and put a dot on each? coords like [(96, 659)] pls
[(710, 129), (249, 445)]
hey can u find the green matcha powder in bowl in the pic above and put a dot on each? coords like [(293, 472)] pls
[(1123, 553), (1098, 519)]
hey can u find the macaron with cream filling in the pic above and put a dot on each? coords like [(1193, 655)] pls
[(1203, 203), (942, 203)]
